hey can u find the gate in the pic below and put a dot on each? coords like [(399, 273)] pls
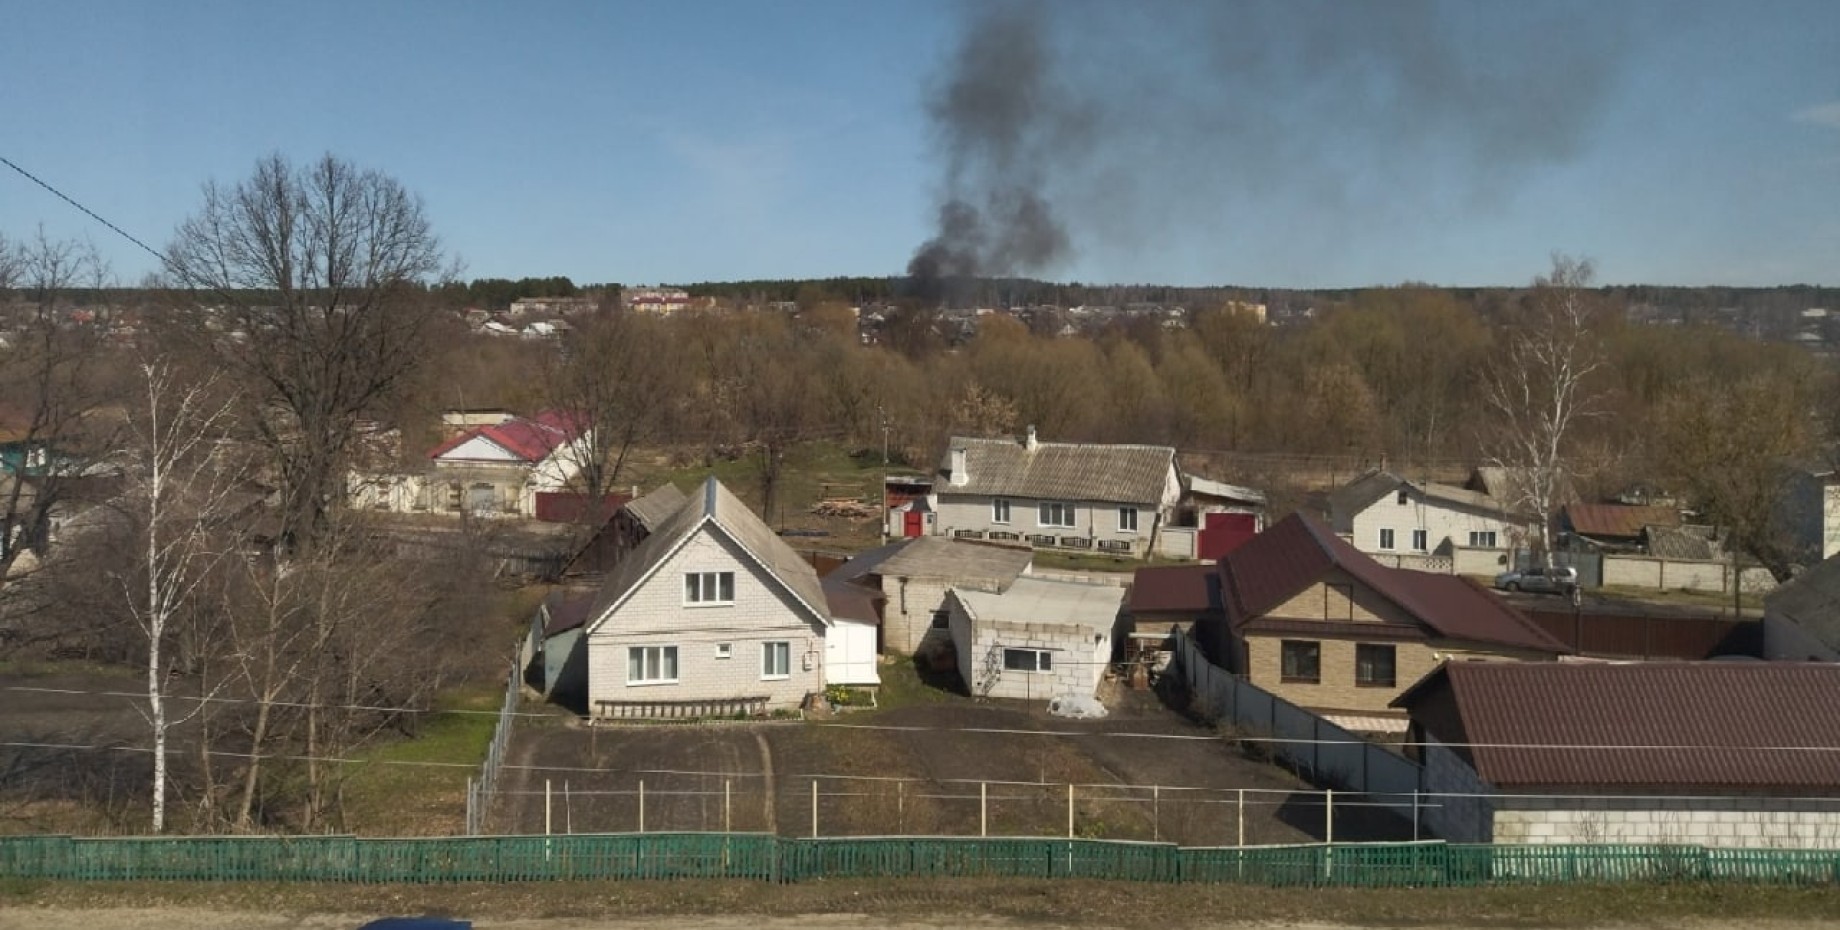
[(1222, 533)]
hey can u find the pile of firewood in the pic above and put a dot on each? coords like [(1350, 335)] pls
[(846, 507)]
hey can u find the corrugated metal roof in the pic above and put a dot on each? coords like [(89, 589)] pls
[(938, 557), (713, 504), (1737, 725), (1617, 521), (1039, 600), (1123, 474), (1176, 589), (1208, 487), (1296, 553), (566, 609)]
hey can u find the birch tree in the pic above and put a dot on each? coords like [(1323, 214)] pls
[(179, 493), (1540, 388)]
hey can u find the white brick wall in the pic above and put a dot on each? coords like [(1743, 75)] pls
[(1095, 521), (907, 617), (655, 615), (1079, 657), (1437, 520), (1768, 823)]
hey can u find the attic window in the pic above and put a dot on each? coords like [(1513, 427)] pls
[(1400, 499)]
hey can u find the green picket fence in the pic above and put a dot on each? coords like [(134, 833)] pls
[(764, 857)]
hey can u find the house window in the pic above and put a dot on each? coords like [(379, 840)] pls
[(1054, 513), (999, 511), (942, 619), (1028, 660), (1375, 666), (1386, 539), (1418, 540), (709, 588), (1127, 519), (725, 650), (1301, 661), (776, 660), (1401, 498), (1482, 540), (651, 665)]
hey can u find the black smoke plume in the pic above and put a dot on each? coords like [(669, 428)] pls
[(1120, 128)]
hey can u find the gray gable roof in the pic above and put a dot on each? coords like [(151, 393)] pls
[(1067, 471), (952, 560), (656, 506), (716, 507), (1362, 492), (1811, 601)]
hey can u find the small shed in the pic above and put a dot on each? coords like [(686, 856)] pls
[(850, 647), (1038, 640), (555, 663)]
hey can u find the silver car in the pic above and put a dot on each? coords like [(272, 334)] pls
[(1559, 579)]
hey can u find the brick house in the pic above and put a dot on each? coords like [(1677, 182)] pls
[(1708, 753), (711, 615), (1306, 616)]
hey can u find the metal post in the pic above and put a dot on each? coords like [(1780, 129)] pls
[(726, 808), (1070, 810), (641, 805), (1329, 815), (568, 810), (1414, 816), (1242, 817), (814, 808), (546, 807), (983, 808), (470, 829), (900, 807), (1156, 813)]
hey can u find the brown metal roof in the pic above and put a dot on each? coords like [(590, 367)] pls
[(1298, 552), (1124, 474), (1617, 521), (1734, 725), (849, 600), (1192, 589), (566, 609)]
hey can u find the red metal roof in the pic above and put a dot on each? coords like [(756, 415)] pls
[(1175, 589), (1619, 521), (1734, 725), (1297, 552), (529, 438)]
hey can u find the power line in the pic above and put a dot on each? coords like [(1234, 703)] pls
[(150, 250)]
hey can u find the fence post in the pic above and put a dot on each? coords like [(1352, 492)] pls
[(983, 808), (568, 810), (900, 807), (725, 807), (1329, 815), (1156, 813), (1414, 815), (1070, 810), (814, 808), (546, 808), (1242, 818), (641, 805)]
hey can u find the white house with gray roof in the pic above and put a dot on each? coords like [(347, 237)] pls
[(1801, 619), (903, 585), (1086, 496), (1382, 513), (711, 615), (1038, 640)]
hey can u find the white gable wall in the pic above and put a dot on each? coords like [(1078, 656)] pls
[(1439, 520), (479, 449), (655, 615)]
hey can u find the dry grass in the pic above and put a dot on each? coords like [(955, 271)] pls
[(1082, 902)]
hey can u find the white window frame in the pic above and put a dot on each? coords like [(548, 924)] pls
[(1421, 541), (1056, 509), (652, 660), (725, 650), (1483, 539), (704, 589), (1000, 510), (1043, 660), (1386, 539), (782, 649), (1127, 519)]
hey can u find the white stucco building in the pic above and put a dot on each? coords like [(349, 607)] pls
[(1381, 513), (1036, 641)]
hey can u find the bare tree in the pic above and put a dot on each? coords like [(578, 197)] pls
[(48, 364), (178, 495), (1540, 388), (616, 379), (312, 280)]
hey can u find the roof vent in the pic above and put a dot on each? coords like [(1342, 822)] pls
[(1030, 442)]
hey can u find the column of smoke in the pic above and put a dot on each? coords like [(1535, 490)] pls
[(1118, 127)]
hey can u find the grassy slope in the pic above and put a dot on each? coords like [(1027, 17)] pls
[(390, 792)]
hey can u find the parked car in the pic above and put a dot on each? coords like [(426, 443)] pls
[(1559, 579)]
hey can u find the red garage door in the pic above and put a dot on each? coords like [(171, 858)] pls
[(1224, 532)]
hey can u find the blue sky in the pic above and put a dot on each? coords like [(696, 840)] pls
[(646, 142)]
